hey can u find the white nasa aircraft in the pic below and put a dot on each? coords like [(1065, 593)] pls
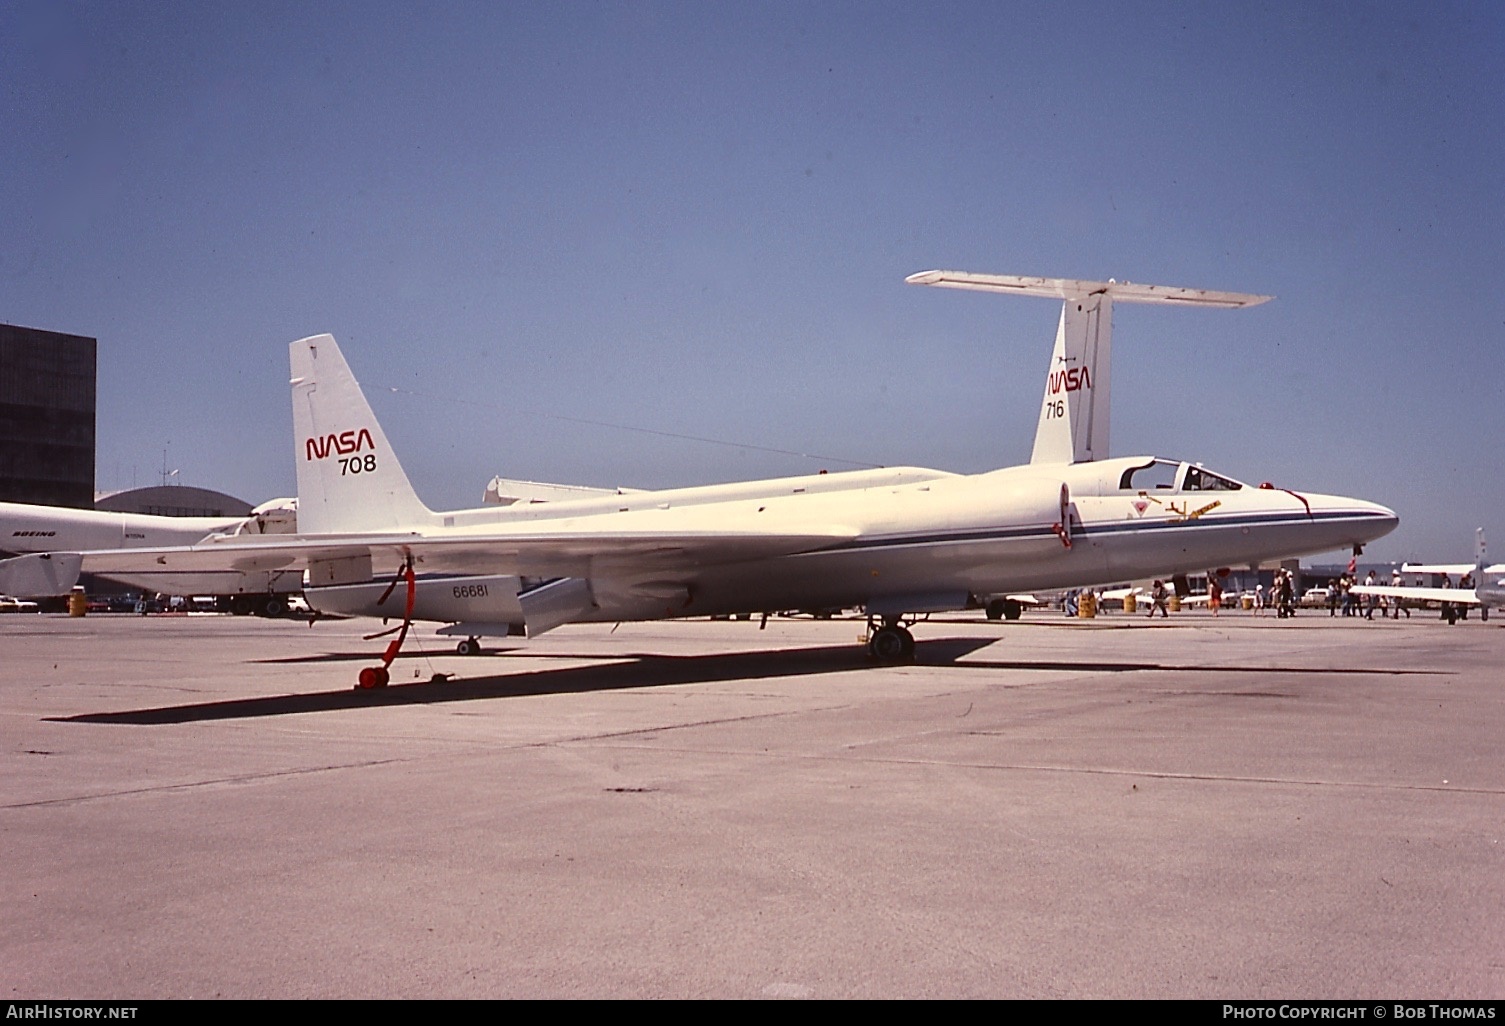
[(894, 542), (1488, 590), (48, 540)]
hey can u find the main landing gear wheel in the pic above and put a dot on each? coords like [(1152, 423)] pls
[(373, 677), (1004, 609), (891, 644), (468, 647)]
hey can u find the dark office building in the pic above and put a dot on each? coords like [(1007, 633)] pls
[(46, 417)]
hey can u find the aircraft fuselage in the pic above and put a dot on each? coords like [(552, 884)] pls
[(926, 541)]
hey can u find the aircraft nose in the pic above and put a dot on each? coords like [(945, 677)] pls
[(1371, 519), (1348, 521), (1383, 515)]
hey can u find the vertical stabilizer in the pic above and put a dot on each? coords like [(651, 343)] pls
[(348, 476), (1489, 593), (1073, 424)]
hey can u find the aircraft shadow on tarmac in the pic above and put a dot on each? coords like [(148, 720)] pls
[(625, 671), (1101, 667), (631, 670)]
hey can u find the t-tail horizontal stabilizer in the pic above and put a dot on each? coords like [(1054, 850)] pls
[(40, 574), (1073, 424)]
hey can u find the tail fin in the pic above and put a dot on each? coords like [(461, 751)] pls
[(348, 476), (1074, 417), (1481, 556), (1073, 424)]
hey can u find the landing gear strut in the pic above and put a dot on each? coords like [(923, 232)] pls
[(891, 643)]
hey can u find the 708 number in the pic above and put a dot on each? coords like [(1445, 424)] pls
[(357, 464)]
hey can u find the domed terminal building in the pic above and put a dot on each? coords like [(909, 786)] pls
[(173, 501)]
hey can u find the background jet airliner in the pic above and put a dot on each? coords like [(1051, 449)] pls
[(48, 538), (896, 542), (1488, 590)]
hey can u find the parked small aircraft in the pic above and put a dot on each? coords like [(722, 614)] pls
[(1488, 590), (895, 542)]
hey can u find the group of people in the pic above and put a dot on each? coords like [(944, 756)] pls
[(1281, 597), (1340, 595), (1453, 611)]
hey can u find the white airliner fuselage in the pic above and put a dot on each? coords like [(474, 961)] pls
[(27, 528), (48, 537)]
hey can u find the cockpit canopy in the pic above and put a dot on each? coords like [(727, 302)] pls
[(1169, 476)]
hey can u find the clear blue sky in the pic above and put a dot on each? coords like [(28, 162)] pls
[(697, 218)]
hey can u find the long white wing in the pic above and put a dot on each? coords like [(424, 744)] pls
[(1455, 569), (1454, 595), (538, 553)]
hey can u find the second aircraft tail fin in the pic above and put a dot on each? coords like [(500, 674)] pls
[(1073, 424), (349, 478)]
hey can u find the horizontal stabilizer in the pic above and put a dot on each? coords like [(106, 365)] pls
[(1074, 414), (554, 604), (40, 575), (1071, 288)]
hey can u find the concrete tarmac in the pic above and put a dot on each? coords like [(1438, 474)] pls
[(1199, 807)]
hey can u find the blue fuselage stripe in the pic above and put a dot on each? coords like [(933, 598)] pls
[(1102, 528)]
